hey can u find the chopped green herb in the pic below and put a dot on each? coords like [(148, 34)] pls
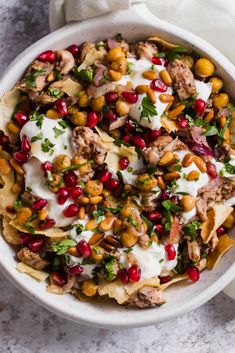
[(29, 190), (87, 262), (58, 75), (36, 116), (174, 53), (85, 76), (129, 67), (82, 183), (229, 168), (161, 54), (121, 142), (171, 206), (168, 220), (60, 248), (55, 92), (79, 228), (127, 251), (190, 101), (231, 107), (29, 228), (174, 184), (118, 37), (160, 261), (183, 193), (149, 224), (222, 131), (37, 137), (63, 123), (222, 172), (148, 109), (47, 146), (98, 215), (211, 131), (110, 209), (191, 229), (133, 222), (18, 203), (30, 80), (130, 169), (150, 243), (58, 132)]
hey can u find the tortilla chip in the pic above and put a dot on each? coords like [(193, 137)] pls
[(7, 196), (175, 279), (215, 218), (8, 103), (163, 43), (225, 243), (128, 152), (168, 124), (9, 232), (36, 274), (90, 59), (121, 292), (70, 87)]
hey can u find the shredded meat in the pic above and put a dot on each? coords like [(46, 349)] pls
[(118, 123), (146, 50), (183, 79), (87, 145), (138, 229), (32, 259), (201, 206), (66, 61), (147, 201), (147, 297), (143, 241)]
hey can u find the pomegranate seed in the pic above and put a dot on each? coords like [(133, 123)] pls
[(36, 244), (158, 85), (170, 251), (123, 163), (105, 175), (84, 248), (4, 140), (111, 97), (75, 193), (70, 179), (221, 230), (39, 204), (154, 216), (25, 238), (63, 195), (21, 118), (123, 275), (159, 228), (47, 166), (183, 123), (48, 223), (75, 270), (112, 184), (25, 145), (61, 106), (165, 195), (199, 106), (174, 199), (110, 115), (193, 273), (158, 61), (164, 279), (211, 170), (74, 49), (139, 141), (130, 97), (58, 279), (130, 126), (93, 119), (71, 210), (21, 157), (154, 134), (134, 273), (47, 55), (126, 138)]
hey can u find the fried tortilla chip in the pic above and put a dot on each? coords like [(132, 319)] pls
[(7, 196), (8, 103), (162, 42), (68, 86), (90, 59), (9, 232), (225, 243), (121, 292), (36, 274), (215, 218), (175, 279), (168, 124)]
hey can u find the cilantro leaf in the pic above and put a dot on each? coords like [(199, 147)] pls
[(229, 168), (171, 206), (58, 132), (60, 248), (36, 116), (191, 229), (79, 228), (129, 68), (133, 222), (109, 273), (63, 123), (148, 109), (30, 80), (85, 76), (118, 37), (98, 215), (36, 137), (18, 203), (47, 146), (174, 53), (211, 131), (111, 209), (55, 92)]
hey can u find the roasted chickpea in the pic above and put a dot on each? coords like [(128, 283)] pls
[(122, 107), (128, 239), (188, 202), (79, 118), (115, 75), (98, 103), (94, 187), (146, 182), (56, 182), (89, 288), (220, 100), (114, 54), (61, 162), (217, 84), (97, 253), (188, 60), (120, 65), (204, 67)]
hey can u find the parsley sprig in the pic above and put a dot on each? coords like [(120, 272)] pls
[(148, 109), (30, 80)]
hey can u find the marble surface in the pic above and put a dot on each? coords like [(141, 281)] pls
[(25, 327)]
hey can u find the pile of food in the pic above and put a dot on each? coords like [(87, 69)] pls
[(117, 169)]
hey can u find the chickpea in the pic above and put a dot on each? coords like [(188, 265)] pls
[(188, 60), (120, 65), (107, 224), (79, 118), (126, 211), (220, 100), (122, 107), (23, 215), (128, 239), (98, 103), (61, 162), (114, 54), (84, 166), (94, 187), (166, 159), (204, 67), (217, 84), (115, 75), (56, 182), (188, 202), (146, 182), (193, 175), (89, 288), (97, 253)]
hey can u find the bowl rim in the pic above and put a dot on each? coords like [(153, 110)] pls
[(143, 16)]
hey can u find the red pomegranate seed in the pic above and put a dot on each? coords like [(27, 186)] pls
[(158, 85), (130, 126), (71, 210), (63, 194), (84, 248), (25, 145), (48, 223), (183, 123), (25, 238), (199, 106), (76, 192), (111, 97), (221, 230), (139, 141), (130, 97), (123, 163), (21, 118), (4, 140), (154, 134), (164, 279), (110, 115), (39, 204), (47, 55), (154, 216), (74, 270), (36, 244), (193, 273), (123, 275), (165, 195), (47, 166), (126, 138), (158, 61), (93, 119), (134, 273), (159, 228), (74, 49), (211, 170), (61, 106), (58, 279), (174, 199), (112, 184), (21, 157), (70, 179), (170, 252), (105, 175)]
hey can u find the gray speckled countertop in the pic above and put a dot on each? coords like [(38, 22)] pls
[(25, 327)]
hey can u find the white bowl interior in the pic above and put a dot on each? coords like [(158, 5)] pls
[(136, 24)]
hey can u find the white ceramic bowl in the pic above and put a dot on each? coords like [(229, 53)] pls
[(135, 24)]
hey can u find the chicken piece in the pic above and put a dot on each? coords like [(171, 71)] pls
[(147, 297), (183, 79), (143, 241), (139, 228), (147, 201), (146, 50), (65, 61), (87, 145), (32, 259)]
